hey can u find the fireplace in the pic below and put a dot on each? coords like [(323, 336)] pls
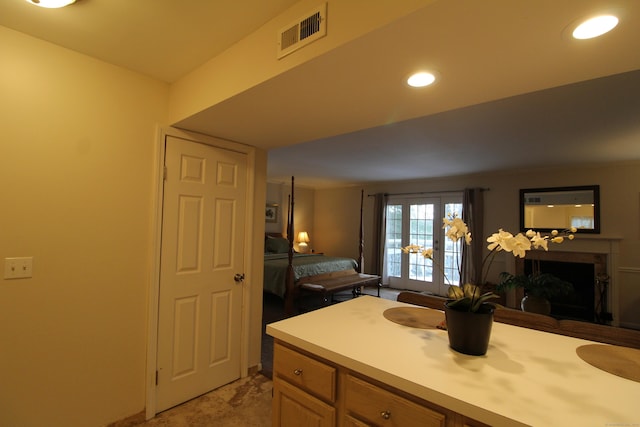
[(587, 272)]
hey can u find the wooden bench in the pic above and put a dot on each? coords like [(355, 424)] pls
[(328, 284)]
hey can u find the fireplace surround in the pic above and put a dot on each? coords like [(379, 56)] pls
[(586, 271)]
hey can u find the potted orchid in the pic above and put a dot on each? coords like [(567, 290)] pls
[(472, 337), (468, 297), (539, 287)]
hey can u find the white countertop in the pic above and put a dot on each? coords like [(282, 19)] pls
[(527, 377)]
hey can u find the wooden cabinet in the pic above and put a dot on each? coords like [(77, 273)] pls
[(304, 390), (293, 407), (375, 405), (310, 392), (307, 373), (349, 421)]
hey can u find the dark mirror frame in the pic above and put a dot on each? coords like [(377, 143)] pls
[(596, 206)]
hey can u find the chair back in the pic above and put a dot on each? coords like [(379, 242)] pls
[(601, 333), (572, 328), (525, 319), (423, 300)]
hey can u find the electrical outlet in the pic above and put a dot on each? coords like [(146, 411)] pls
[(18, 268)]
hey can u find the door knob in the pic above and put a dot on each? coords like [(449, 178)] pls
[(239, 278)]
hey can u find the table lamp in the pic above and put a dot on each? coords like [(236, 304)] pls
[(303, 240)]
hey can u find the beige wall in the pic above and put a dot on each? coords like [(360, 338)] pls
[(78, 158), (337, 222), (76, 170), (336, 213), (279, 192)]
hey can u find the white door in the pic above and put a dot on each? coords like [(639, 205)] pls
[(200, 302)]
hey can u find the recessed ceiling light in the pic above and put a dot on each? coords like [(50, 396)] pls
[(421, 79), (595, 27), (51, 4)]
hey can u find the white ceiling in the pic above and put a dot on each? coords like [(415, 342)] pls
[(582, 123), (513, 91), (164, 39)]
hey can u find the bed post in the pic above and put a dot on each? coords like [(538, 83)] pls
[(290, 278), (361, 243)]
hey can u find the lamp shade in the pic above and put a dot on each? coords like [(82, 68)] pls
[(303, 237)]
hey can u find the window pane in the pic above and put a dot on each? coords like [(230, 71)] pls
[(394, 240), (452, 250), (421, 233), (582, 222)]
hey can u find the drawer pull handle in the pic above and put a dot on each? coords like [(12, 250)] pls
[(298, 372), (385, 414)]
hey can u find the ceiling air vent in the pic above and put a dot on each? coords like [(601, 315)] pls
[(303, 31)]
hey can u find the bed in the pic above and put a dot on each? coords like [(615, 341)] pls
[(286, 270), (304, 265)]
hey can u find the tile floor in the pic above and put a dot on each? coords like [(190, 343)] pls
[(245, 402)]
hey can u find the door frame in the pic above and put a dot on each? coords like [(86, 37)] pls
[(156, 246)]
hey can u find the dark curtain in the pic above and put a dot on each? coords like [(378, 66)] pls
[(379, 231), (473, 216)]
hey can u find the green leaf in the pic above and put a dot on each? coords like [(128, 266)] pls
[(543, 285), (483, 298)]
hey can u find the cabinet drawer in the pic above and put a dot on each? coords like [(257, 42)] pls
[(317, 378), (293, 407), (380, 407), (352, 422)]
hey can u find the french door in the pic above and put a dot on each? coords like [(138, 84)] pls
[(418, 221)]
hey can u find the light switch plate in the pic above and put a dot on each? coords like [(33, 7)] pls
[(18, 268)]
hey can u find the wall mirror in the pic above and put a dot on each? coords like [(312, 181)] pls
[(559, 208)]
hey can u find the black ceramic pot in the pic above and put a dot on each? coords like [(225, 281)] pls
[(469, 332), (534, 304)]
